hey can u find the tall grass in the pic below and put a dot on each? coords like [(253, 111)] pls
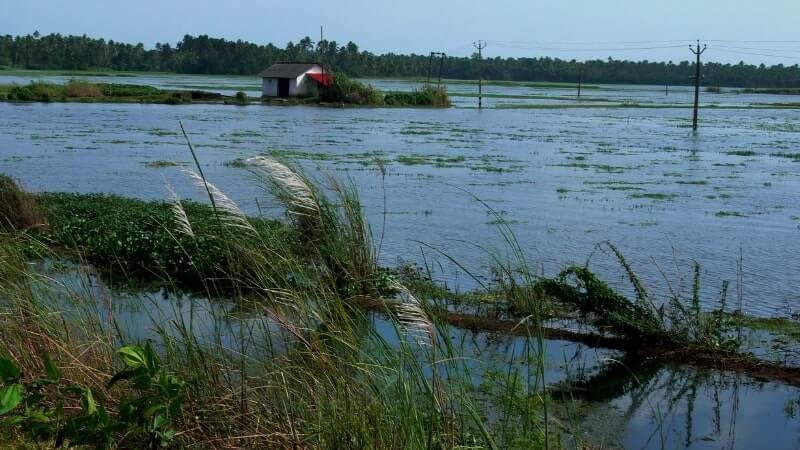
[(18, 209), (298, 363)]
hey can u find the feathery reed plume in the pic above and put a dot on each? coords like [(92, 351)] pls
[(181, 218), (302, 197), (231, 214), (413, 318)]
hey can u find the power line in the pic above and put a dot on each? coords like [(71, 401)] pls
[(794, 57), (591, 42), (790, 50), (571, 49), (752, 42)]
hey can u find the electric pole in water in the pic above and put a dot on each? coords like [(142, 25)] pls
[(430, 65), (441, 64), (480, 46), (697, 78)]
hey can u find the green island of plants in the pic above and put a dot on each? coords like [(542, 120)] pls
[(88, 92), (343, 91)]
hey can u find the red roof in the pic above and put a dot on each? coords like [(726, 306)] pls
[(324, 79)]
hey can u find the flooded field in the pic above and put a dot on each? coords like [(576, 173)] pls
[(600, 395), (619, 164), (566, 178)]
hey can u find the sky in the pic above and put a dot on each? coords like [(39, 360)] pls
[(735, 30)]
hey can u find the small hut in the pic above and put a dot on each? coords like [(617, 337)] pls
[(293, 80)]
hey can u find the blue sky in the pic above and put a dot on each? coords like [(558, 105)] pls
[(580, 29)]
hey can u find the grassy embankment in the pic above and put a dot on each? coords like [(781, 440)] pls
[(775, 91), (343, 92), (87, 92), (300, 361)]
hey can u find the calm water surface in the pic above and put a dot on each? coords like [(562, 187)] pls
[(564, 178)]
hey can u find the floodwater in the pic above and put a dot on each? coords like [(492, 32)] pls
[(564, 178), (610, 400)]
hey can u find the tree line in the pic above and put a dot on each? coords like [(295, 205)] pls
[(206, 55)]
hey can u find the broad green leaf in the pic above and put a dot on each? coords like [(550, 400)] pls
[(8, 370), (134, 357), (53, 373), (10, 398), (159, 421)]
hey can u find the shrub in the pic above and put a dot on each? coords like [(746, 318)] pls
[(45, 409), (79, 88), (128, 90), (345, 90), (18, 209), (21, 94), (241, 98), (427, 96), (45, 92)]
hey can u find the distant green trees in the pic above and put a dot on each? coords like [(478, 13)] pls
[(206, 55)]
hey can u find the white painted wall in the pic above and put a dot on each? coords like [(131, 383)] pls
[(302, 86), (269, 87)]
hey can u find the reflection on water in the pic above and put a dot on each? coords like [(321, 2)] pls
[(565, 179), (614, 400)]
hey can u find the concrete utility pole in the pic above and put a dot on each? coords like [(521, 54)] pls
[(697, 78), (580, 80), (480, 46), (441, 63), (430, 66)]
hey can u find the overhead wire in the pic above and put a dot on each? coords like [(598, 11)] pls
[(771, 55), (574, 49)]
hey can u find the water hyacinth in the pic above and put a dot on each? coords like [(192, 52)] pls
[(302, 196)]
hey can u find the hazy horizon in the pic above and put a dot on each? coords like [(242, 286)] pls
[(570, 29)]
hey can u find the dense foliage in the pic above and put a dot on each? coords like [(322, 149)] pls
[(133, 235), (44, 408), (206, 55), (84, 91)]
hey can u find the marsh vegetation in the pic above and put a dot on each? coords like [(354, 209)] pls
[(315, 330)]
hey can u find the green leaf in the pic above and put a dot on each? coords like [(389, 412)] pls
[(133, 356), (152, 410), (8, 370), (89, 405), (10, 398), (159, 421), (38, 417), (53, 374), (13, 420)]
